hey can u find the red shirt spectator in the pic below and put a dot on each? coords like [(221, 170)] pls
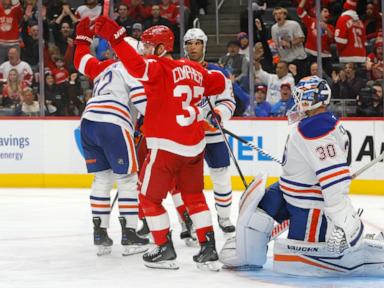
[(375, 62), (137, 11), (60, 74), (310, 6), (10, 17), (327, 31), (350, 35), (169, 11)]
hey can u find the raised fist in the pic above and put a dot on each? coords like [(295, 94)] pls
[(84, 34), (109, 30)]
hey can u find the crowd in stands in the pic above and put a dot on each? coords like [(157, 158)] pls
[(285, 50)]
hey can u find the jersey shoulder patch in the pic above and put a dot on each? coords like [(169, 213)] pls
[(317, 126)]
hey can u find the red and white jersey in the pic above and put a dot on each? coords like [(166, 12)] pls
[(311, 41), (113, 88), (23, 68), (174, 88), (84, 11), (315, 169), (9, 24), (350, 38)]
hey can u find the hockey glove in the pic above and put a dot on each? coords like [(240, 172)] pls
[(84, 34), (109, 30), (214, 118)]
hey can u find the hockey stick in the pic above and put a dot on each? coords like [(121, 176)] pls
[(283, 226), (106, 8), (226, 143), (137, 148), (253, 146)]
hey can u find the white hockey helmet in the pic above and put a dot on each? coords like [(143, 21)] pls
[(135, 44), (310, 93), (195, 34)]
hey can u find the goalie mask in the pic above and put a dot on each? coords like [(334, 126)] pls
[(195, 34), (311, 93)]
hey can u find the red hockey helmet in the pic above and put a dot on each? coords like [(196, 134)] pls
[(157, 35)]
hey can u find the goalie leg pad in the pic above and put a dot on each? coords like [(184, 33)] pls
[(100, 196), (301, 258), (128, 202)]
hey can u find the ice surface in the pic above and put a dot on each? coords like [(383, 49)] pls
[(46, 241)]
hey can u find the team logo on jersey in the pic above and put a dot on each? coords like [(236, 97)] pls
[(120, 161)]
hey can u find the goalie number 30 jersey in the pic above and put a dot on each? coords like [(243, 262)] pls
[(315, 162)]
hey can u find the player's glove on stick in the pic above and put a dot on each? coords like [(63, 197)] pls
[(214, 119), (109, 30), (84, 34)]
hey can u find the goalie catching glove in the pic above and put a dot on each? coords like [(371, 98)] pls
[(109, 30)]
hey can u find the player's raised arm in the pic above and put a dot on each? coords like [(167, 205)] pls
[(110, 30), (84, 62)]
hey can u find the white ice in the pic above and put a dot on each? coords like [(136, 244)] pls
[(46, 241)]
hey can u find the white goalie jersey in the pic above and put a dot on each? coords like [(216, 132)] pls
[(315, 169)]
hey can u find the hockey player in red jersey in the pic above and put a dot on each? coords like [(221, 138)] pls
[(350, 35), (175, 136), (107, 140)]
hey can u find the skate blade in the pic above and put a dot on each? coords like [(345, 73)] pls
[(242, 267), (103, 250), (190, 242), (134, 249), (209, 266), (168, 265)]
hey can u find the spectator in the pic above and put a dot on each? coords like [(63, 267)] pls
[(55, 98), (156, 18), (313, 71), (233, 62), (10, 17), (285, 103), (123, 19), (14, 62), (60, 74), (29, 106), (375, 64), (289, 38), (137, 11), (12, 90), (371, 20), (169, 11), (345, 84), (328, 32), (30, 35), (137, 30), (91, 9), (262, 107), (371, 106), (242, 37), (62, 30), (75, 92), (273, 81), (350, 35)]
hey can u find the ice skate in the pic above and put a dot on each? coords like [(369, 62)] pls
[(187, 232), (207, 258), (226, 225), (132, 243), (144, 230), (162, 257), (101, 238)]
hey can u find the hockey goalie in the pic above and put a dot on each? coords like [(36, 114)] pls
[(325, 234)]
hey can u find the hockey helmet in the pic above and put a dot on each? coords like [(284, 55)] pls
[(195, 34), (157, 35), (311, 92)]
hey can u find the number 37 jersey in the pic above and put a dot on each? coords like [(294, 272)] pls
[(315, 165)]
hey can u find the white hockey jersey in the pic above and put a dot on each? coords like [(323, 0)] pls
[(224, 104), (315, 168), (113, 88)]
